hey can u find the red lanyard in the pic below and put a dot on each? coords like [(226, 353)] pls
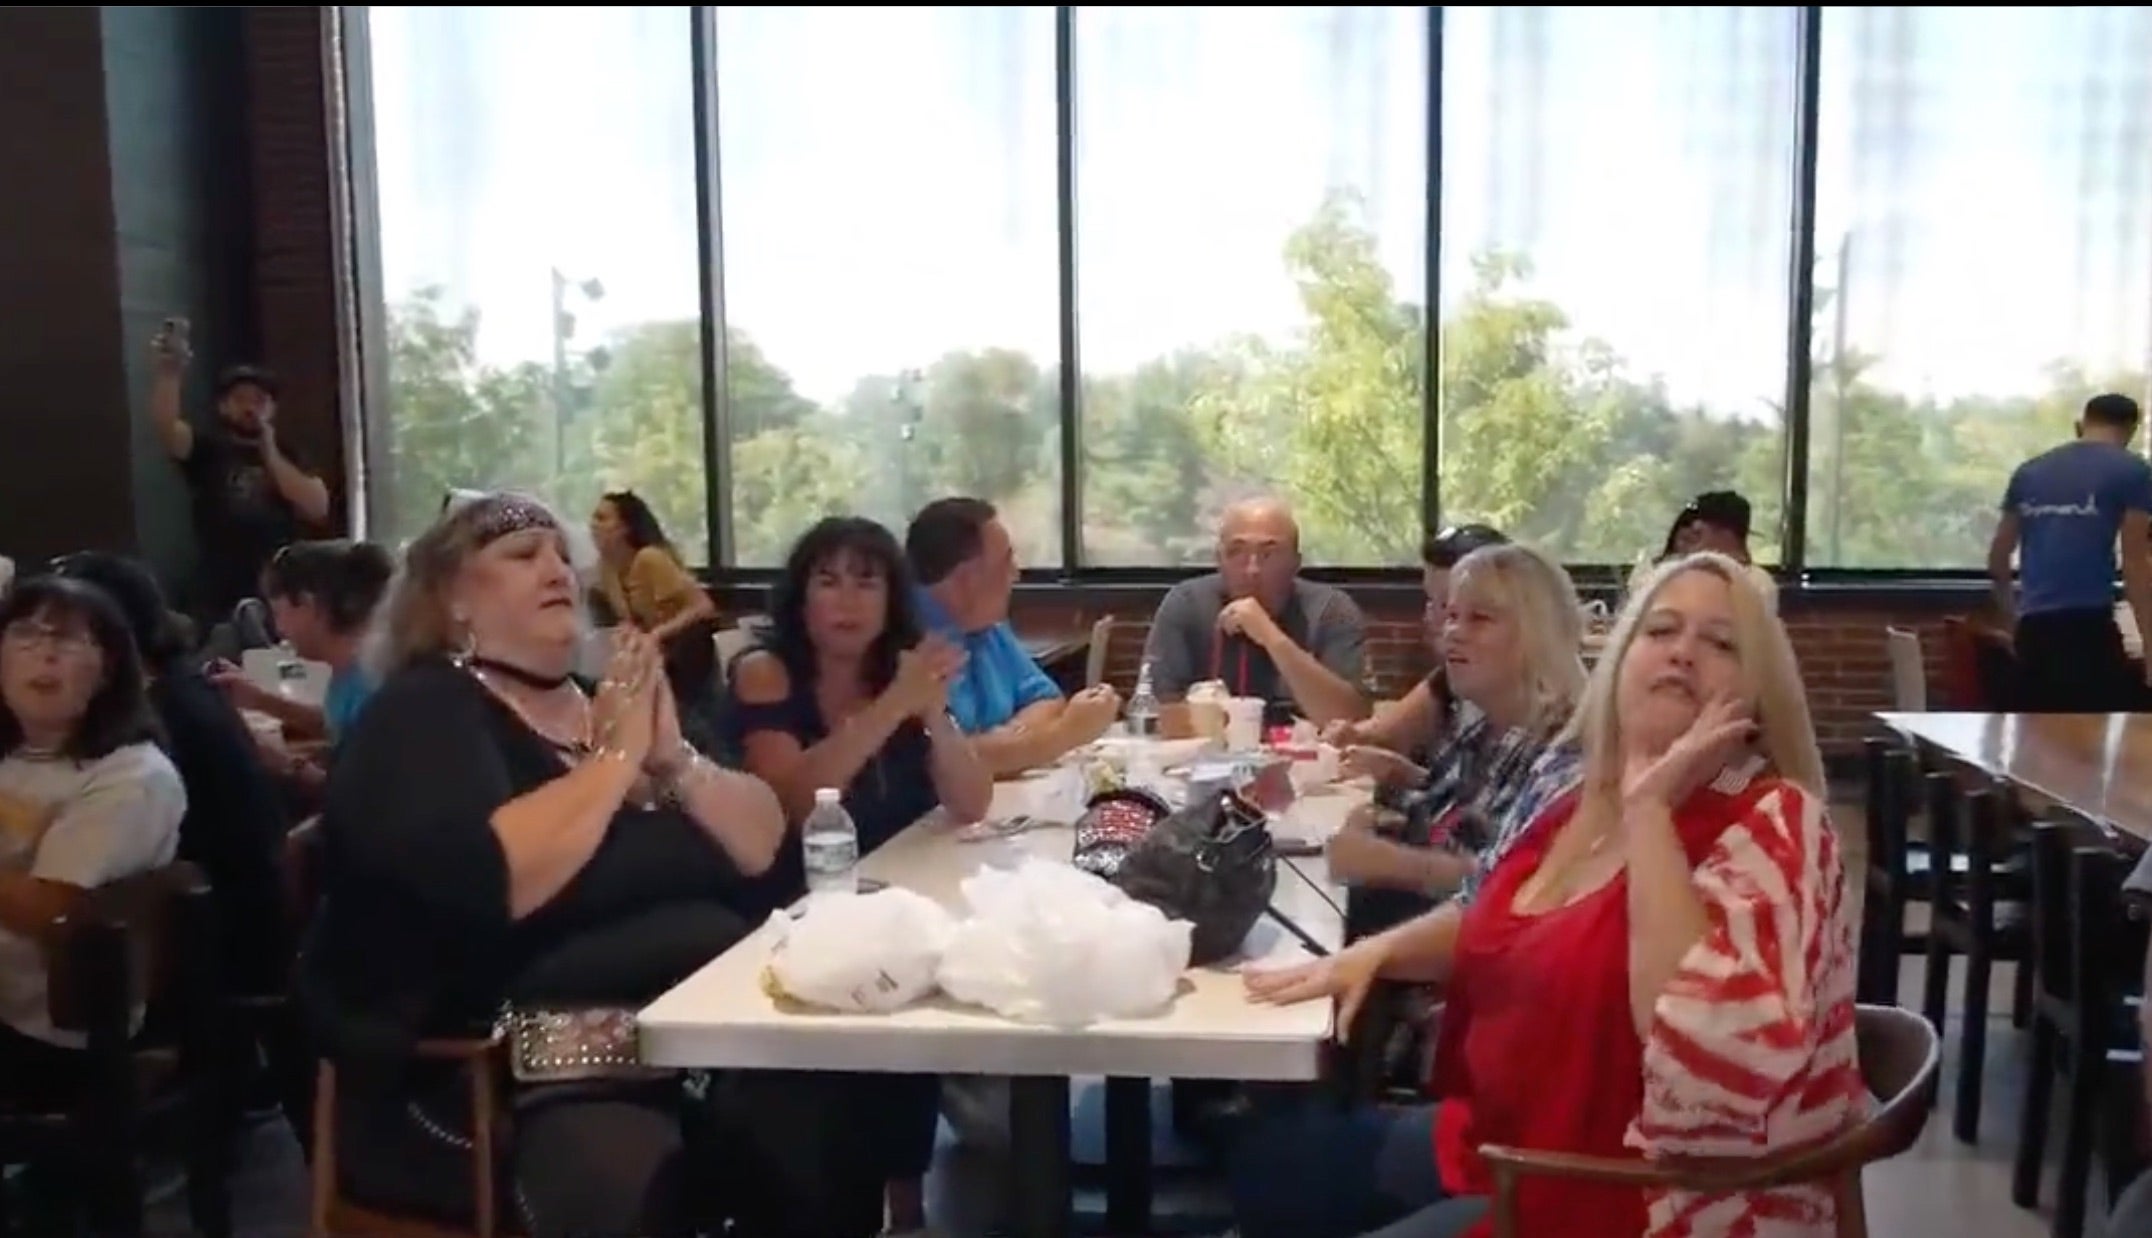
[(1240, 686)]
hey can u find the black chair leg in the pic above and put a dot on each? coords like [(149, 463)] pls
[(209, 1156), (1882, 950), (1935, 986), (1972, 1044), (2021, 994), (2031, 1155), (2080, 1107), (114, 1198)]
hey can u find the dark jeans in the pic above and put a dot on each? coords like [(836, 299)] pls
[(1305, 1169), (2073, 662), (902, 1114), (781, 1155)]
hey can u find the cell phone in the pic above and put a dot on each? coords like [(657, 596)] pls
[(172, 336), (1295, 848)]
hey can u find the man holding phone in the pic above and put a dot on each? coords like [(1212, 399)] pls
[(251, 497)]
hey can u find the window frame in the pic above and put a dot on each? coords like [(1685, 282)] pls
[(364, 332)]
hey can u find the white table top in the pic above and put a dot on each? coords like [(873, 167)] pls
[(722, 1017)]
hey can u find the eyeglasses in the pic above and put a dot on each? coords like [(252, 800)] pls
[(33, 637)]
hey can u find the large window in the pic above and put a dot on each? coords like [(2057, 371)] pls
[(1251, 224), (1617, 190), (535, 179), (890, 267), (1984, 261), (1855, 263)]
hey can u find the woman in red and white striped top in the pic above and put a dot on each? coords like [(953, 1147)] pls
[(1660, 965)]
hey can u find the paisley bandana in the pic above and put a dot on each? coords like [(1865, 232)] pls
[(502, 514)]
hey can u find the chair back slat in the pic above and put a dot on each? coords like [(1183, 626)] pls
[(1946, 836), (129, 943), (2053, 923), (1892, 826), (1983, 823)]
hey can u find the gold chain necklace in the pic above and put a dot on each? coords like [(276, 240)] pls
[(571, 750)]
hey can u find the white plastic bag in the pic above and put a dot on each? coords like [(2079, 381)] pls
[(1045, 943), (862, 953)]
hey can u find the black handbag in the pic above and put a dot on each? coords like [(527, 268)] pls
[(1211, 863)]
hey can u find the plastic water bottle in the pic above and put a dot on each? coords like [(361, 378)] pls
[(1143, 706), (830, 844)]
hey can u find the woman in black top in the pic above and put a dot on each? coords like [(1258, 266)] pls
[(844, 692), (497, 837)]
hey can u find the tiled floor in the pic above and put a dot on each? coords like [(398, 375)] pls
[(1942, 1189)]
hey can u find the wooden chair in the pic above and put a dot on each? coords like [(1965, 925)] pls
[(332, 1216), (2091, 953), (145, 941), (1981, 910), (1094, 661), (1899, 871), (1900, 1055), (1908, 671)]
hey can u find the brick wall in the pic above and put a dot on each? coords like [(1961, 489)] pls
[(1840, 646), (293, 256)]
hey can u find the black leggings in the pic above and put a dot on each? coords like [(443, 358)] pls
[(779, 1155)]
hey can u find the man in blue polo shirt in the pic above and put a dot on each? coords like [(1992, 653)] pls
[(966, 568), (2069, 514)]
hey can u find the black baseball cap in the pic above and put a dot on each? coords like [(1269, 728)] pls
[(245, 375), (1444, 549), (140, 598), (1722, 509)]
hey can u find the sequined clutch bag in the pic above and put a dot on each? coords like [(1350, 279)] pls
[(564, 1046)]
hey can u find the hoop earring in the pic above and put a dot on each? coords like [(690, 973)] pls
[(467, 648)]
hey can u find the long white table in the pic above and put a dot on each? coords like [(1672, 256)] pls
[(722, 1017)]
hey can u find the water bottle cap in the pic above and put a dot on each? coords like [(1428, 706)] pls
[(828, 795)]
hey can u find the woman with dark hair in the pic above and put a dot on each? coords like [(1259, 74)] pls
[(235, 823), (86, 798), (844, 692), (643, 582), (321, 597), (1406, 725)]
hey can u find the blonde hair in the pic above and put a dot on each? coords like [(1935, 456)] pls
[(1541, 598), (1770, 678), (413, 620)]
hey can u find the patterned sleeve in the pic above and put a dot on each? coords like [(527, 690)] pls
[(1746, 1034), (1553, 774)]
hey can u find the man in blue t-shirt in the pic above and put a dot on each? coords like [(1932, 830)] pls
[(2064, 513), (966, 566)]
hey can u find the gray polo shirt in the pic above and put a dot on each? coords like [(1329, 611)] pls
[(1185, 646)]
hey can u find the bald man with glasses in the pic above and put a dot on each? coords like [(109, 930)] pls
[(1260, 628)]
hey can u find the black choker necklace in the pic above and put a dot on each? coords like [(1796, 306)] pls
[(529, 679)]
